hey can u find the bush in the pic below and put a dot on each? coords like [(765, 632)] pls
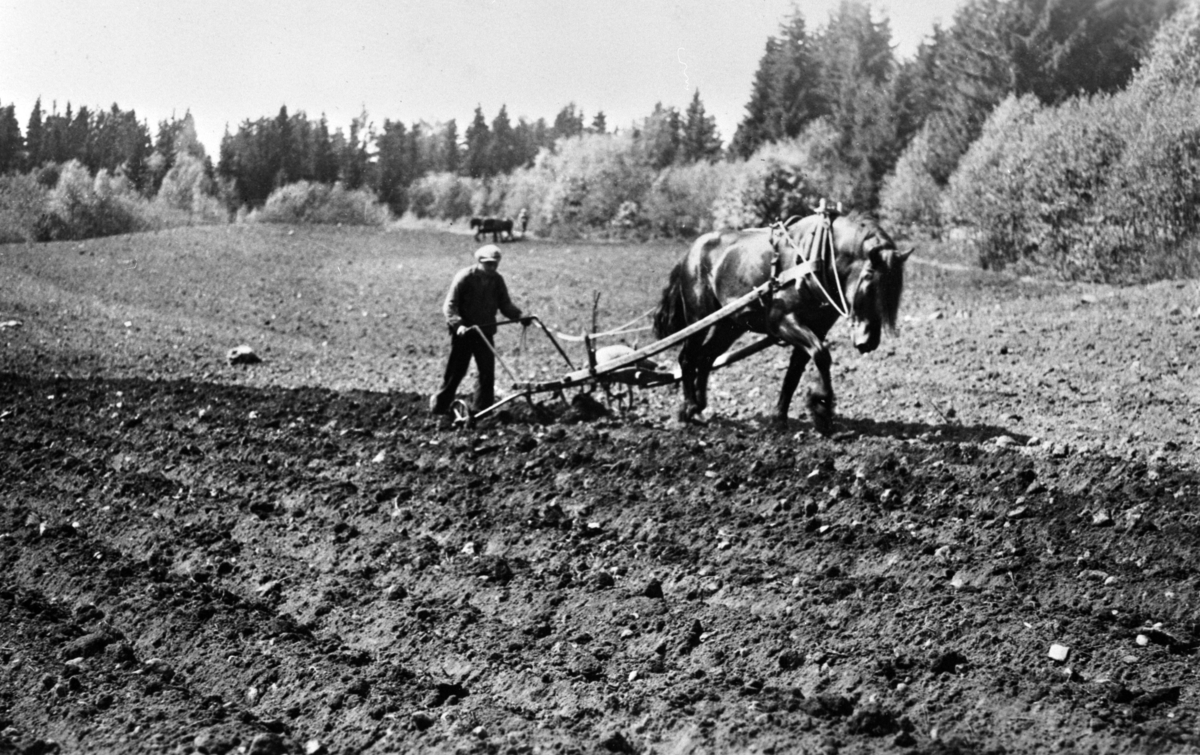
[(589, 178), (304, 202), (1103, 188), (187, 188), (529, 189), (680, 200), (827, 172), (910, 197), (76, 210), (772, 185), (987, 190), (441, 195), (1174, 60), (1151, 197), (22, 202)]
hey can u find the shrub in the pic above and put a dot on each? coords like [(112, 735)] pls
[(680, 200), (441, 195), (590, 177), (1151, 197), (76, 210), (826, 170), (910, 197), (487, 195), (1102, 188), (772, 185), (304, 202), (529, 189), (1174, 59), (985, 192), (22, 201)]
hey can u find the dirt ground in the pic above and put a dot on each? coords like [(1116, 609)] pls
[(995, 552)]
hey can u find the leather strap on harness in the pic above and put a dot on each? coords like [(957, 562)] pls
[(810, 258)]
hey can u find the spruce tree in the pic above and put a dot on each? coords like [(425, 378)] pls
[(568, 123), (394, 171), (477, 160), (34, 136), (11, 144), (452, 157), (661, 137), (700, 140), (325, 163), (786, 94), (505, 151)]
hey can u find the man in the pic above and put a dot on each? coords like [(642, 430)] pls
[(523, 220), (475, 295)]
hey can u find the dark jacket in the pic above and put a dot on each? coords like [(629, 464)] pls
[(474, 298)]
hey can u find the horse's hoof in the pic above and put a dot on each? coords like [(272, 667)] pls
[(689, 415), (823, 425), (820, 409)]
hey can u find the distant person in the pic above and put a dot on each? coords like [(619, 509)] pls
[(523, 220), (475, 295)]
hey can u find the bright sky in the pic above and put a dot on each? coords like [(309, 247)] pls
[(231, 60)]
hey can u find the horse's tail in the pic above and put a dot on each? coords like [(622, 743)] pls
[(671, 315)]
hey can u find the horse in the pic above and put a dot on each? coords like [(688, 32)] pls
[(498, 227), (865, 283)]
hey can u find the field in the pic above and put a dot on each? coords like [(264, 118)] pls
[(992, 553)]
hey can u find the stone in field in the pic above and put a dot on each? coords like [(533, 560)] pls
[(242, 355)]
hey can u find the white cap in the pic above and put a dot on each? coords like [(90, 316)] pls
[(489, 253)]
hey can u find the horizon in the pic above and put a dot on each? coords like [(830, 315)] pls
[(416, 62)]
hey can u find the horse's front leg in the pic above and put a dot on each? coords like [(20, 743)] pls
[(807, 346), (821, 401), (791, 380)]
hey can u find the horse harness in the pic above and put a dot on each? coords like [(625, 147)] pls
[(814, 253)]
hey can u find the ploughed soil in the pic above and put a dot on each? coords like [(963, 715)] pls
[(996, 551)]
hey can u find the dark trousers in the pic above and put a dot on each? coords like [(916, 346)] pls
[(462, 349)]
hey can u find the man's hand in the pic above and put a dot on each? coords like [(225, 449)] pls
[(526, 322), (462, 330)]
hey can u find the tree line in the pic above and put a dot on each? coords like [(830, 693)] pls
[(266, 154)]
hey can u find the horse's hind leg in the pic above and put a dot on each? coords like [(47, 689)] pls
[(697, 357), (688, 367)]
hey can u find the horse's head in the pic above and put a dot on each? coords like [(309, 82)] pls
[(476, 222), (874, 294)]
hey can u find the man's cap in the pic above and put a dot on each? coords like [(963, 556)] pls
[(489, 253)]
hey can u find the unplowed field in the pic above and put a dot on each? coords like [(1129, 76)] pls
[(995, 551)]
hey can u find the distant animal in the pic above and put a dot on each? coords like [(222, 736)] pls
[(500, 228), (865, 282)]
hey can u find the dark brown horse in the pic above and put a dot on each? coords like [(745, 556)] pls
[(865, 284), (500, 228)]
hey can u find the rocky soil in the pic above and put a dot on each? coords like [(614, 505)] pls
[(995, 552)]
